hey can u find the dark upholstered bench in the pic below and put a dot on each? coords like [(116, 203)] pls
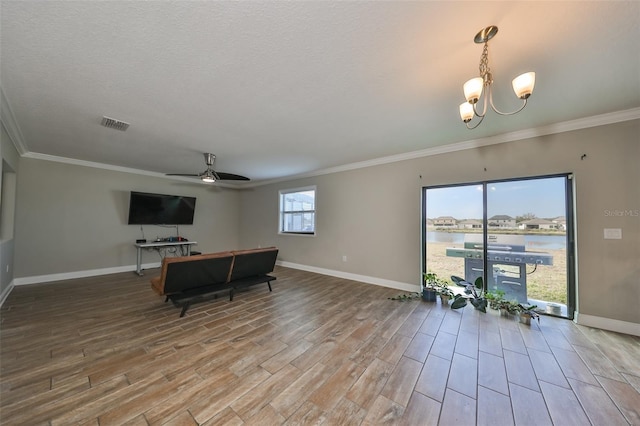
[(187, 279)]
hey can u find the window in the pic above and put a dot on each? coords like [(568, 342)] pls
[(298, 211)]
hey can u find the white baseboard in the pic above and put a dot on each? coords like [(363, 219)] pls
[(38, 279), (355, 277), (609, 324), (6, 293)]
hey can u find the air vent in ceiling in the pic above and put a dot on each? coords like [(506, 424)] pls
[(112, 123)]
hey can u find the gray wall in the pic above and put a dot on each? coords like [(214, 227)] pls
[(372, 215), (9, 163), (73, 218)]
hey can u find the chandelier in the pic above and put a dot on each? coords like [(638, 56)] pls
[(522, 85)]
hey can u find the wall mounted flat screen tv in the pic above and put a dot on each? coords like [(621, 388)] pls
[(160, 209)]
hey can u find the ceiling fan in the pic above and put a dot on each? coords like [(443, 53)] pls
[(211, 175)]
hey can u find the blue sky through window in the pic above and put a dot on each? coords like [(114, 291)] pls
[(543, 197)]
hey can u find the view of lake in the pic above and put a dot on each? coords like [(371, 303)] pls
[(532, 242)]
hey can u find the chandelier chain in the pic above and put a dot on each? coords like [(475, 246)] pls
[(485, 71)]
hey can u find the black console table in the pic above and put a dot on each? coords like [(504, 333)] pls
[(156, 245)]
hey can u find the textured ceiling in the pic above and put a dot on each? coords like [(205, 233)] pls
[(284, 88)]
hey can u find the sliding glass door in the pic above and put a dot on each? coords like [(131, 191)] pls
[(516, 234), (452, 215)]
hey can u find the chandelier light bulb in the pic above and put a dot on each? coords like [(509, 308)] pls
[(473, 89), (208, 179), (523, 84), (466, 112)]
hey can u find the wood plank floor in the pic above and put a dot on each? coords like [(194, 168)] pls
[(317, 350)]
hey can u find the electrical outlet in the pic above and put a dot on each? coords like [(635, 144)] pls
[(344, 258)]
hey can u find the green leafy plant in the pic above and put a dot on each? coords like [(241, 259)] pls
[(434, 283), (430, 281), (495, 298), (446, 292), (509, 306), (405, 297), (473, 293), (528, 310), (430, 285)]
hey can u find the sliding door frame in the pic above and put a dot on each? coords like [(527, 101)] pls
[(569, 237)]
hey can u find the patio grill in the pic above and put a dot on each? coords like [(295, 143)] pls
[(507, 259)]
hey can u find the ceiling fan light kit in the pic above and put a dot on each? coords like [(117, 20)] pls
[(209, 176), (474, 88)]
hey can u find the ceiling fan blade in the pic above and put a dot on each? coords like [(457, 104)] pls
[(211, 175), (230, 176)]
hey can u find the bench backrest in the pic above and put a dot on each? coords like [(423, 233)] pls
[(183, 273), (250, 263)]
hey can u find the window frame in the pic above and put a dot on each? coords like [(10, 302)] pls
[(282, 212)]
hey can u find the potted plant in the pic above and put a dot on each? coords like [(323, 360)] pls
[(445, 294), (443, 290), (508, 308), (429, 286), (473, 293), (526, 312), (495, 298)]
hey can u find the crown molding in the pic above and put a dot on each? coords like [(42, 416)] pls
[(84, 163), (10, 124), (567, 126)]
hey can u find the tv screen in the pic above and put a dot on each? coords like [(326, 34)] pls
[(160, 209)]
